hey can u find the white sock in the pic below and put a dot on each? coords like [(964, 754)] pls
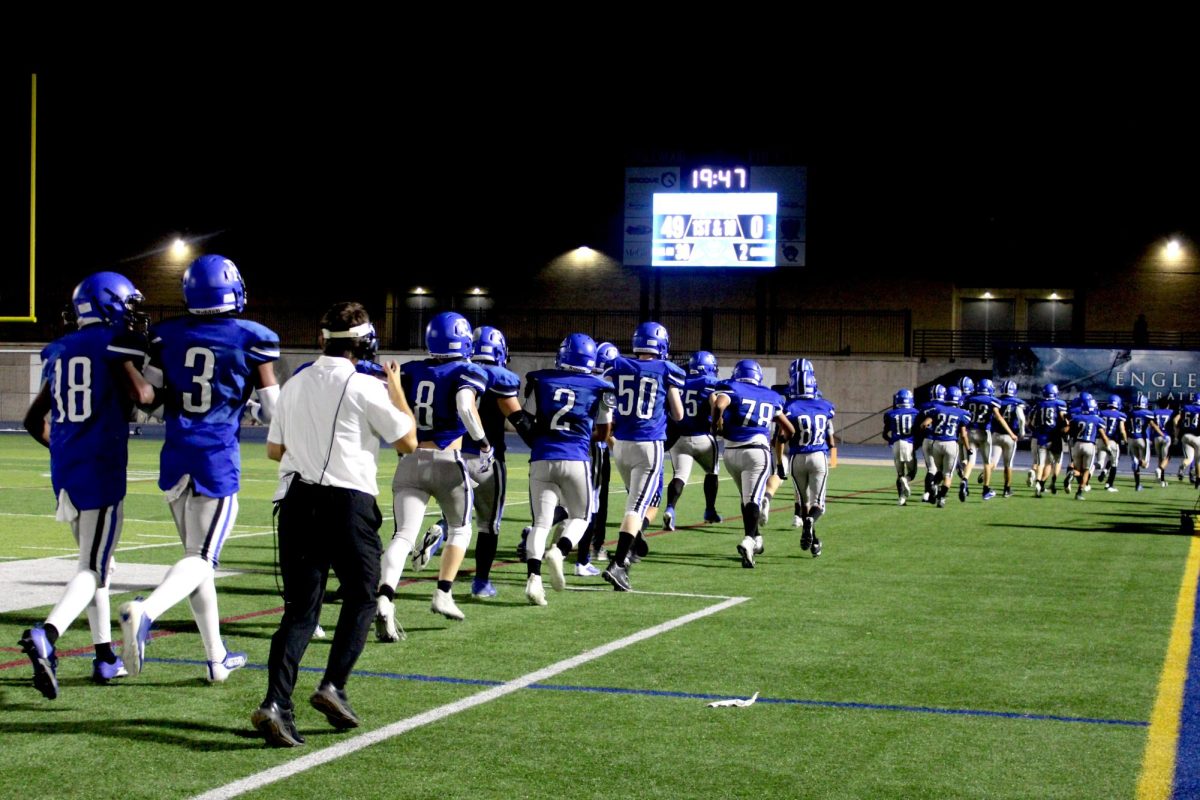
[(80, 592), (208, 618), (182, 579), (394, 559), (100, 617)]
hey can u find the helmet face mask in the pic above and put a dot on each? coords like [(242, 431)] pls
[(448, 335), (489, 346), (213, 285), (107, 297), (577, 353), (651, 338), (702, 362), (748, 371)]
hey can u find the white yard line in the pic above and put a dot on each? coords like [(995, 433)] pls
[(353, 745)]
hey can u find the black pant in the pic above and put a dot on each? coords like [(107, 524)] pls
[(322, 527), (597, 530)]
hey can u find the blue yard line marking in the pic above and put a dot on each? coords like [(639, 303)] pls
[(1187, 753), (962, 712)]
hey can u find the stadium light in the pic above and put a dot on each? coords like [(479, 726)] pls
[(418, 290), (1054, 296), (987, 295), (1173, 251), (179, 250)]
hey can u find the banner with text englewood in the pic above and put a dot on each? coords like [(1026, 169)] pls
[(1103, 371)]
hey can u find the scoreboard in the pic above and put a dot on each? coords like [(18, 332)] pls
[(715, 216)]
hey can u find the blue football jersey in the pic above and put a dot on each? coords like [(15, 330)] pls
[(208, 365), (89, 413), (813, 420), (750, 411), (1139, 423), (1084, 427), (432, 387), (1047, 416), (567, 405), (1163, 417), (1009, 406), (1189, 418), (641, 397), (947, 420), (1112, 421), (980, 407), (898, 424), (697, 390), (501, 383)]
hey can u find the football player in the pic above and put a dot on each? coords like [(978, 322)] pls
[(945, 428), (572, 407), (1049, 416), (984, 409), (1004, 446), (443, 391), (898, 426), (1142, 425), (1086, 425), (695, 442), (797, 367), (91, 378), (967, 386), (210, 362), (811, 421), (1160, 443), (743, 411), (647, 390), (1187, 428), (1110, 455), (489, 349), (597, 532), (937, 395)]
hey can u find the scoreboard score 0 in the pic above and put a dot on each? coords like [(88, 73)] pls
[(714, 230)]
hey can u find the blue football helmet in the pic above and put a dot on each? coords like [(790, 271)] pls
[(799, 366), (937, 393), (1008, 389), (489, 346), (213, 285), (606, 354), (748, 371), (986, 387), (652, 338), (1050, 391), (1114, 401), (967, 385), (804, 385), (448, 335), (1089, 402), (954, 395), (577, 353), (903, 399), (1141, 401), (107, 297), (702, 362)]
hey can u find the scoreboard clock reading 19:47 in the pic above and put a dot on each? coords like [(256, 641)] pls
[(714, 229)]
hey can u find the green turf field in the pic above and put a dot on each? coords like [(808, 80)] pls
[(1008, 649)]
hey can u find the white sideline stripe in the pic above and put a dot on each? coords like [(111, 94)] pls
[(345, 748), (607, 588)]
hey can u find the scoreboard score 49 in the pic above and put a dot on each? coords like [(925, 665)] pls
[(715, 216)]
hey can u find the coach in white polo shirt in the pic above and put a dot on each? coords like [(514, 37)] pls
[(325, 433)]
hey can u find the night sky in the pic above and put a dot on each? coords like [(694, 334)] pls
[(374, 175)]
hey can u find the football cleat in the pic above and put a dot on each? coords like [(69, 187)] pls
[(759, 545), (1079, 495), (333, 703), (711, 515), (599, 554), (807, 536), (618, 577), (669, 519), (1111, 489), (45, 662), (1008, 492), (989, 493), (386, 629), (554, 560), (534, 593), (903, 500), (318, 632), (1029, 480), (443, 603), (764, 512), (276, 725), (522, 553), (481, 590), (941, 501), (135, 631), (103, 672), (816, 547), (746, 551), (963, 491), (218, 671), (586, 571), (435, 535)]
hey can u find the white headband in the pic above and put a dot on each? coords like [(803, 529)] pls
[(357, 332)]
